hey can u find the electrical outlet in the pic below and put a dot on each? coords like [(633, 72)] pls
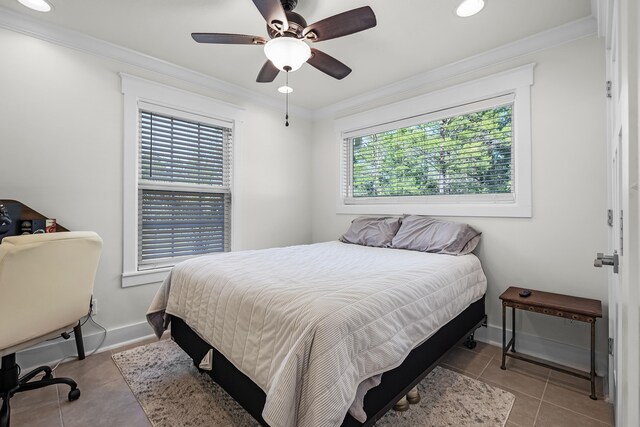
[(94, 306)]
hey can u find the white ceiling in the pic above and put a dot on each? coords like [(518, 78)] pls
[(412, 37)]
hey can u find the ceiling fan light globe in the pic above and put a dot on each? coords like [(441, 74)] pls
[(39, 5), (469, 8), (287, 52)]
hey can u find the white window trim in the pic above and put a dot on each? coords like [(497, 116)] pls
[(138, 92), (516, 81)]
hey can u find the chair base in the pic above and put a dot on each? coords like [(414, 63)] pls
[(10, 384)]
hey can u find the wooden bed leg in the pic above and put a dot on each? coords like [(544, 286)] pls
[(413, 396), (402, 405)]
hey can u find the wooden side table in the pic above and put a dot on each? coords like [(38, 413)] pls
[(570, 307)]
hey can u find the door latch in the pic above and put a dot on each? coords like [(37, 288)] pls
[(603, 259), (611, 346)]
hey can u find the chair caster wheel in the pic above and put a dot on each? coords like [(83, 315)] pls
[(74, 394)]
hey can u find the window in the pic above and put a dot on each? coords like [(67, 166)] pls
[(467, 155), (463, 154), (177, 178), (189, 213)]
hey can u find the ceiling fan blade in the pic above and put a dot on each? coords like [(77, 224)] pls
[(341, 24), (328, 64), (267, 73), (222, 38), (273, 13)]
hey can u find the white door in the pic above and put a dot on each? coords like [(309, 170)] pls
[(614, 169), (618, 23), (616, 247)]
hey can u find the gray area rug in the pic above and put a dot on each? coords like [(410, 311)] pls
[(173, 393)]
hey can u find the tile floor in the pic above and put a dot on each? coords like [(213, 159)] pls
[(544, 398)]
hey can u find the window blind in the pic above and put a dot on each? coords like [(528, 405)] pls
[(177, 150), (176, 224), (184, 192), (456, 155)]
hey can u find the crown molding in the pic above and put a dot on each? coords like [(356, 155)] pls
[(544, 40), (61, 36)]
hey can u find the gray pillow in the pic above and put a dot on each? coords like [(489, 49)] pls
[(369, 231), (421, 233)]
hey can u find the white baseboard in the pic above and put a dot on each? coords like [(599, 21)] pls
[(554, 351), (51, 352)]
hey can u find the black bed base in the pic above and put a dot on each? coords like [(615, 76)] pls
[(395, 383)]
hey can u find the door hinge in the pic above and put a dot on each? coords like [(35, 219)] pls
[(608, 88), (611, 346), (610, 217), (621, 233)]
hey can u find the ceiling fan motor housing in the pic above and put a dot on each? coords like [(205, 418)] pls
[(296, 25)]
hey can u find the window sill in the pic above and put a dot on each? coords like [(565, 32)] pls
[(148, 277)]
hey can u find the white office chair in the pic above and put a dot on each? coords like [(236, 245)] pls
[(46, 283)]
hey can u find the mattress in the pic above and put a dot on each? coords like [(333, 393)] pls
[(308, 324)]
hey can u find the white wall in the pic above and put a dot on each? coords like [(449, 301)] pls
[(61, 144), (554, 249)]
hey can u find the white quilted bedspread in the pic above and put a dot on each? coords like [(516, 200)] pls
[(309, 323)]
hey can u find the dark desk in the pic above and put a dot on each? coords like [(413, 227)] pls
[(18, 211)]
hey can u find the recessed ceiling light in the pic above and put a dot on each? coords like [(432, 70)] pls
[(469, 7), (39, 5), (285, 89)]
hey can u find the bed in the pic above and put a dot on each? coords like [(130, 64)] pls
[(295, 334)]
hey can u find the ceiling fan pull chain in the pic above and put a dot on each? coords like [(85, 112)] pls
[(286, 116)]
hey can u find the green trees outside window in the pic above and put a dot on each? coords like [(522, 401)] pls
[(464, 154)]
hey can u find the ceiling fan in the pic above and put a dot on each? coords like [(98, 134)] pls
[(286, 49)]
